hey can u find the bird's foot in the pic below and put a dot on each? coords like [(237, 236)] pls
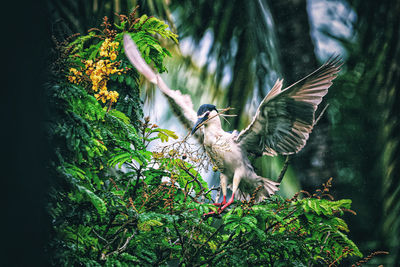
[(217, 212), (212, 213), (221, 209), (222, 203)]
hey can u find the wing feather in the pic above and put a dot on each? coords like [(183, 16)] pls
[(181, 104), (285, 118)]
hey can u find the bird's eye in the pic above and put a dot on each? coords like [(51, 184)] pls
[(205, 114)]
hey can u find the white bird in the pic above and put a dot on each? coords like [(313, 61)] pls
[(281, 125)]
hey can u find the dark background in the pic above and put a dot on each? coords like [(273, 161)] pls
[(25, 45)]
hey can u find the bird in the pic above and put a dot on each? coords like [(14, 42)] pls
[(281, 126)]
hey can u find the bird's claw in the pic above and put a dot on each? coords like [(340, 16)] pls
[(218, 212), (219, 204), (212, 214), (222, 203)]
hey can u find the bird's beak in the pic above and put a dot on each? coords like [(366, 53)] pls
[(197, 125)]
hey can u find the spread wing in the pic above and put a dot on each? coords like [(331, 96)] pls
[(285, 118), (181, 104)]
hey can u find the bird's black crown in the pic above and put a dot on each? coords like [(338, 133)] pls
[(206, 107)]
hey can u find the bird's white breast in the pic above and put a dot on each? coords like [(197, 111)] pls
[(221, 148)]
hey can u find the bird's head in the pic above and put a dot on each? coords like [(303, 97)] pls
[(203, 114)]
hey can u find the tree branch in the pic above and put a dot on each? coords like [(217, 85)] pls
[(284, 169), (208, 239)]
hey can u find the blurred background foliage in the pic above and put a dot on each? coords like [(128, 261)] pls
[(231, 52)]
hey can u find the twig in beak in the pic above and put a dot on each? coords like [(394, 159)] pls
[(224, 109), (225, 119), (220, 113), (226, 115), (212, 117)]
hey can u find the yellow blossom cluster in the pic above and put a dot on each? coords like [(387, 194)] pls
[(97, 72), (76, 76), (105, 95), (109, 49)]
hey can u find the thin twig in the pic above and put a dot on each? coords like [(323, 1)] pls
[(284, 169), (221, 249), (320, 115), (122, 238), (99, 236), (180, 239), (326, 239), (287, 216), (126, 243), (208, 239), (194, 178), (137, 181), (211, 189), (178, 233), (122, 248)]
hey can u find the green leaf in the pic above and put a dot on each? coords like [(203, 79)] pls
[(118, 114), (146, 225), (97, 202), (164, 134), (120, 26)]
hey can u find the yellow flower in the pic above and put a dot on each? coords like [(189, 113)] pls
[(73, 70), (109, 49), (104, 85), (88, 63), (102, 95), (113, 56), (113, 96), (95, 77), (100, 64), (114, 45), (72, 79)]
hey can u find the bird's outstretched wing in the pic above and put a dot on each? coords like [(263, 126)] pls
[(285, 118), (181, 104)]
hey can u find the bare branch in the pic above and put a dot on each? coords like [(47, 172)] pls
[(208, 239), (120, 249), (284, 169), (320, 115)]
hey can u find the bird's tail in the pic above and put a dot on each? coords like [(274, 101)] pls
[(268, 187)]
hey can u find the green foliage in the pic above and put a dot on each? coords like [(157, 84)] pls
[(147, 44), (115, 203)]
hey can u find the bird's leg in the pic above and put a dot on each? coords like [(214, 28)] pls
[(236, 180), (222, 203), (228, 203), (223, 183)]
